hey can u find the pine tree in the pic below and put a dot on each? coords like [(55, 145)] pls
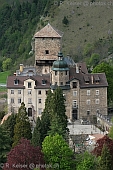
[(58, 111), (22, 127), (9, 124), (46, 118), (36, 136), (106, 159), (4, 145)]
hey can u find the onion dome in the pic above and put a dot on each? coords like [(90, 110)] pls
[(60, 64)]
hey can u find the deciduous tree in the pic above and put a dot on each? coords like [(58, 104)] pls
[(57, 152), (100, 144), (24, 156)]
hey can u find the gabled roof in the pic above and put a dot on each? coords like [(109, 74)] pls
[(48, 31), (37, 78)]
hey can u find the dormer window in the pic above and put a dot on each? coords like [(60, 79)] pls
[(16, 82), (44, 82), (74, 84), (97, 78), (86, 79)]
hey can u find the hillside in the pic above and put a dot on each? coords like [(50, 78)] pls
[(88, 23), (87, 28)]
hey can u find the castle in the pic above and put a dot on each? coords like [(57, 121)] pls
[(85, 94)]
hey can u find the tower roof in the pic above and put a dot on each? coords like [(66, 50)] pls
[(48, 31), (60, 64)]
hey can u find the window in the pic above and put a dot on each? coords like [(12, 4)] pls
[(88, 92), (30, 112), (29, 91), (88, 112), (55, 73), (74, 103), (55, 83), (97, 92), (74, 93), (61, 83), (97, 101), (66, 72), (19, 91), (44, 82), (74, 84), (29, 84), (88, 102), (19, 100), (29, 100), (46, 51), (12, 91), (46, 92), (39, 101), (98, 111), (39, 92), (39, 111), (12, 100), (16, 81)]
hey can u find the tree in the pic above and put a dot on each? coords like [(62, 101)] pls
[(45, 118), (4, 145), (58, 110), (36, 136), (86, 161), (105, 162), (57, 152), (24, 156), (9, 124), (108, 70), (57, 127), (22, 127), (88, 49), (100, 144), (94, 60), (65, 20), (6, 64)]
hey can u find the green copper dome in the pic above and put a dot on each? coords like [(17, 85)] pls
[(60, 64)]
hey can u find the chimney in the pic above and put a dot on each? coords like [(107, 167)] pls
[(77, 69), (92, 79), (21, 67)]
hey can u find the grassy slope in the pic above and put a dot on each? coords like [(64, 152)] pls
[(3, 76), (86, 24)]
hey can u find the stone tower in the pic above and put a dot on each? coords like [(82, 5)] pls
[(47, 46)]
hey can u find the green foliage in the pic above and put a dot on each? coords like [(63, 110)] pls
[(94, 60), (65, 20), (36, 136), (3, 76), (22, 128), (6, 64), (45, 118), (58, 116), (105, 162), (88, 49), (57, 151), (18, 22), (86, 161), (9, 124), (108, 70), (4, 145)]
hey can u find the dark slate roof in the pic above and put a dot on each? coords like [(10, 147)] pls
[(38, 81), (89, 80)]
